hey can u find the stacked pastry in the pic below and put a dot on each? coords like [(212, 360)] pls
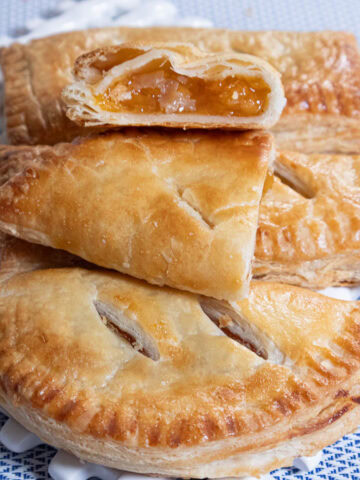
[(131, 333)]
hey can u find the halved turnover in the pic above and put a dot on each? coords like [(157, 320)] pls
[(173, 208), (173, 85)]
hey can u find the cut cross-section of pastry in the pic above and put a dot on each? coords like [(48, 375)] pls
[(309, 224), (175, 208), (173, 85), (164, 382)]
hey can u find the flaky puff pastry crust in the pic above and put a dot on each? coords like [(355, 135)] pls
[(197, 388), (320, 74), (175, 208), (309, 224), (97, 71)]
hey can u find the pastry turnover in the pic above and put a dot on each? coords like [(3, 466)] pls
[(165, 382), (173, 85), (175, 208), (320, 72), (309, 225)]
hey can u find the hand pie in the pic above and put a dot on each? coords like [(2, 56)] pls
[(309, 225), (164, 382), (320, 72), (174, 85), (175, 208)]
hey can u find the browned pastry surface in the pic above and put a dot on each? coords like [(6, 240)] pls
[(19, 256), (160, 381), (320, 73), (174, 208), (173, 85), (309, 225)]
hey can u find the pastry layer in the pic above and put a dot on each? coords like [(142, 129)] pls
[(319, 71), (309, 225), (174, 208), (165, 382), (174, 85)]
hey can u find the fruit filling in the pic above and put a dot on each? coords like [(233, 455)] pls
[(157, 88)]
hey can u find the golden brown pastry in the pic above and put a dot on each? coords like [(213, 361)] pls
[(164, 382), (175, 208), (320, 73), (173, 85), (309, 225), (19, 256)]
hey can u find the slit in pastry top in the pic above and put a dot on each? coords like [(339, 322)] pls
[(173, 85)]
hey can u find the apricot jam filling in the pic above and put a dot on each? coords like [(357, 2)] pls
[(156, 88)]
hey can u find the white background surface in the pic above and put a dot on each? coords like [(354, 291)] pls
[(236, 14)]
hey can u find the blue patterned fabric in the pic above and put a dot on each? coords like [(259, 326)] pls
[(342, 460), (31, 465)]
